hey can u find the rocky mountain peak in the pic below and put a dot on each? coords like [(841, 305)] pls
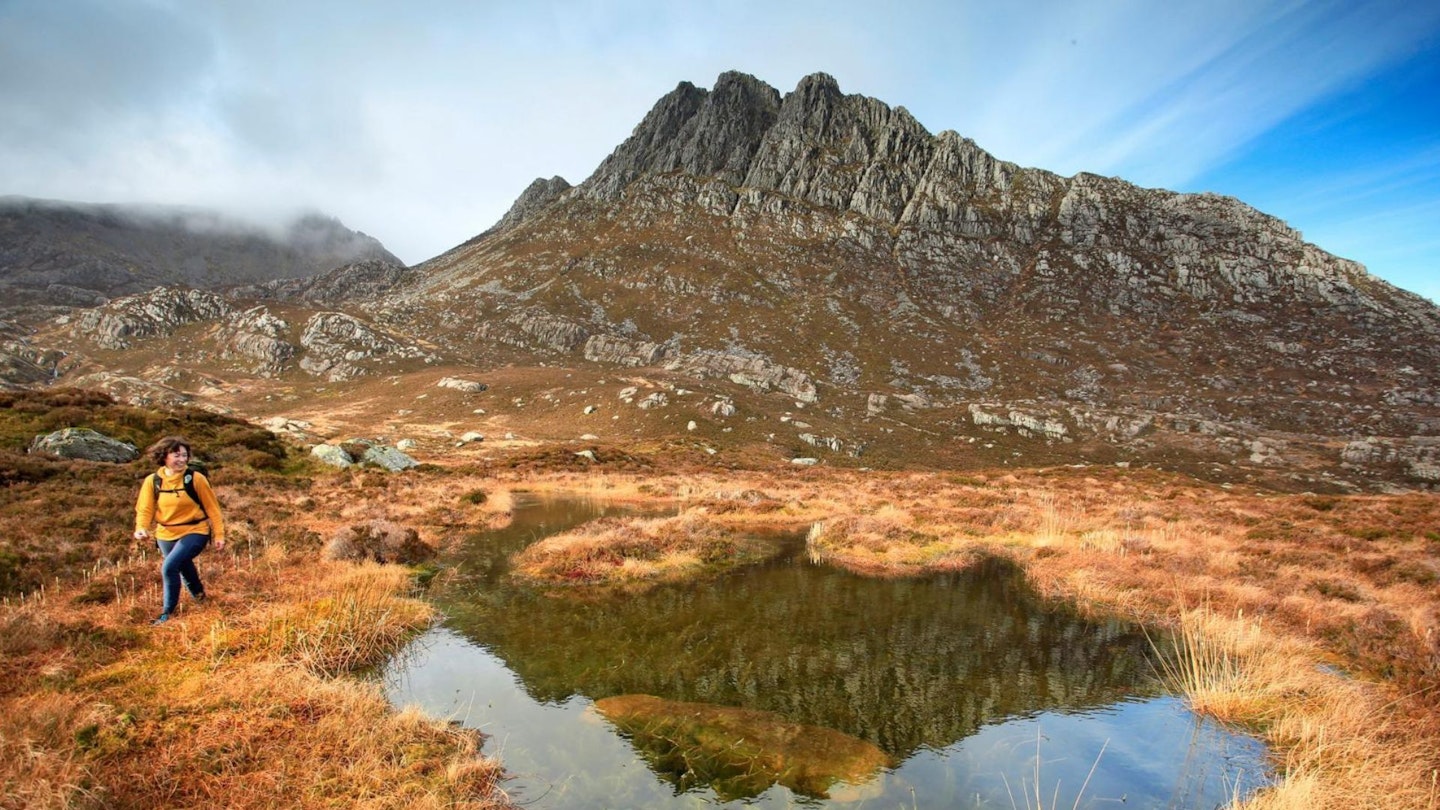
[(533, 199), (694, 131)]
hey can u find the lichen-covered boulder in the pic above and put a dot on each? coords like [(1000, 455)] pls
[(389, 458), (83, 443), (332, 455)]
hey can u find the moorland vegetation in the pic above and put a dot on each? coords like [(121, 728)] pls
[(1309, 620)]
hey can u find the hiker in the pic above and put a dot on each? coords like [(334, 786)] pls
[(178, 509)]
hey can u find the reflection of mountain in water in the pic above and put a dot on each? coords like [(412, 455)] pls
[(903, 664)]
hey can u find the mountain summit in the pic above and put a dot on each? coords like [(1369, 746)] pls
[(923, 301)]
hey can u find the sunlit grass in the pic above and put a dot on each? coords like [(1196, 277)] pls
[(633, 550), (1318, 632)]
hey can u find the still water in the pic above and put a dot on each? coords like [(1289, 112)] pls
[(793, 684)]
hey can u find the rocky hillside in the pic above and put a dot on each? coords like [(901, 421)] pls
[(828, 247), (74, 254), (817, 276)]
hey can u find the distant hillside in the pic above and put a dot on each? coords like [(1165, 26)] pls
[(77, 254), (816, 276)]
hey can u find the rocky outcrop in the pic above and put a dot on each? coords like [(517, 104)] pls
[(356, 281), (618, 350), (160, 312), (332, 455), (86, 444), (132, 390), (341, 347), (1417, 457), (21, 362), (535, 198), (696, 132), (259, 339), (753, 372), (536, 329)]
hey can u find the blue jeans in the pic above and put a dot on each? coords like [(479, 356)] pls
[(179, 564)]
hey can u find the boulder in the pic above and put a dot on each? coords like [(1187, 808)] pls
[(332, 455), (389, 458), (466, 386), (85, 444)]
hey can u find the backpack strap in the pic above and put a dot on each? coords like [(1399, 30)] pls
[(188, 481)]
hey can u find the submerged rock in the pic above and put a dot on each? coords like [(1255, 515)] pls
[(739, 752)]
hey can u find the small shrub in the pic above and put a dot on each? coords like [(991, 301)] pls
[(476, 497)]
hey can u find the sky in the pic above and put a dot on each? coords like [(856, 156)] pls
[(420, 122)]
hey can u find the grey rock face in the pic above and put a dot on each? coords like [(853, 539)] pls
[(86, 444), (160, 312), (535, 198), (356, 281), (332, 455), (340, 346), (259, 337), (388, 458), (696, 132), (611, 349), (753, 372)]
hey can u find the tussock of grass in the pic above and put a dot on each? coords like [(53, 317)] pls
[(885, 544), (632, 550), (359, 621), (1344, 746)]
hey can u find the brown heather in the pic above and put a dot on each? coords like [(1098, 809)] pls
[(1310, 621)]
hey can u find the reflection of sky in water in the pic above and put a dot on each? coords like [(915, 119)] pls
[(1156, 754), (956, 677)]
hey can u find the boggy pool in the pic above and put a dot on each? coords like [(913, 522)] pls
[(795, 684)]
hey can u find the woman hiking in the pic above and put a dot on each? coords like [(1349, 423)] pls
[(178, 509)]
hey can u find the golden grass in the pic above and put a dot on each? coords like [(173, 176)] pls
[(635, 550), (243, 695), (241, 703)]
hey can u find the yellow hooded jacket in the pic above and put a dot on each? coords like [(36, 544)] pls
[(172, 514)]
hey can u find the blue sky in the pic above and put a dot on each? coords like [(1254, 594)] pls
[(420, 122)]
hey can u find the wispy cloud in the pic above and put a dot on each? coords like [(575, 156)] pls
[(420, 122)]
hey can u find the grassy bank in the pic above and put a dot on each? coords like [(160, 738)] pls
[(247, 701), (243, 702)]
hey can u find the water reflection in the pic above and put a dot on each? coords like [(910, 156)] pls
[(927, 673)]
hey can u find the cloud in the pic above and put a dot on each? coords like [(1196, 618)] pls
[(420, 123), (82, 73)]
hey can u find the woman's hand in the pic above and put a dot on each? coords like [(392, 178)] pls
[(219, 543), (142, 534)]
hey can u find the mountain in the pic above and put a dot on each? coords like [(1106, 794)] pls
[(76, 254), (816, 274)]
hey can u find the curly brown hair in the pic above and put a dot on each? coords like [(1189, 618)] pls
[(159, 450)]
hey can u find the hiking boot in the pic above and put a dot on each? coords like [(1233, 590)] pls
[(199, 598), (164, 617)]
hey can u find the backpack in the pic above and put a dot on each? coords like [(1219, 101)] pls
[(188, 480)]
